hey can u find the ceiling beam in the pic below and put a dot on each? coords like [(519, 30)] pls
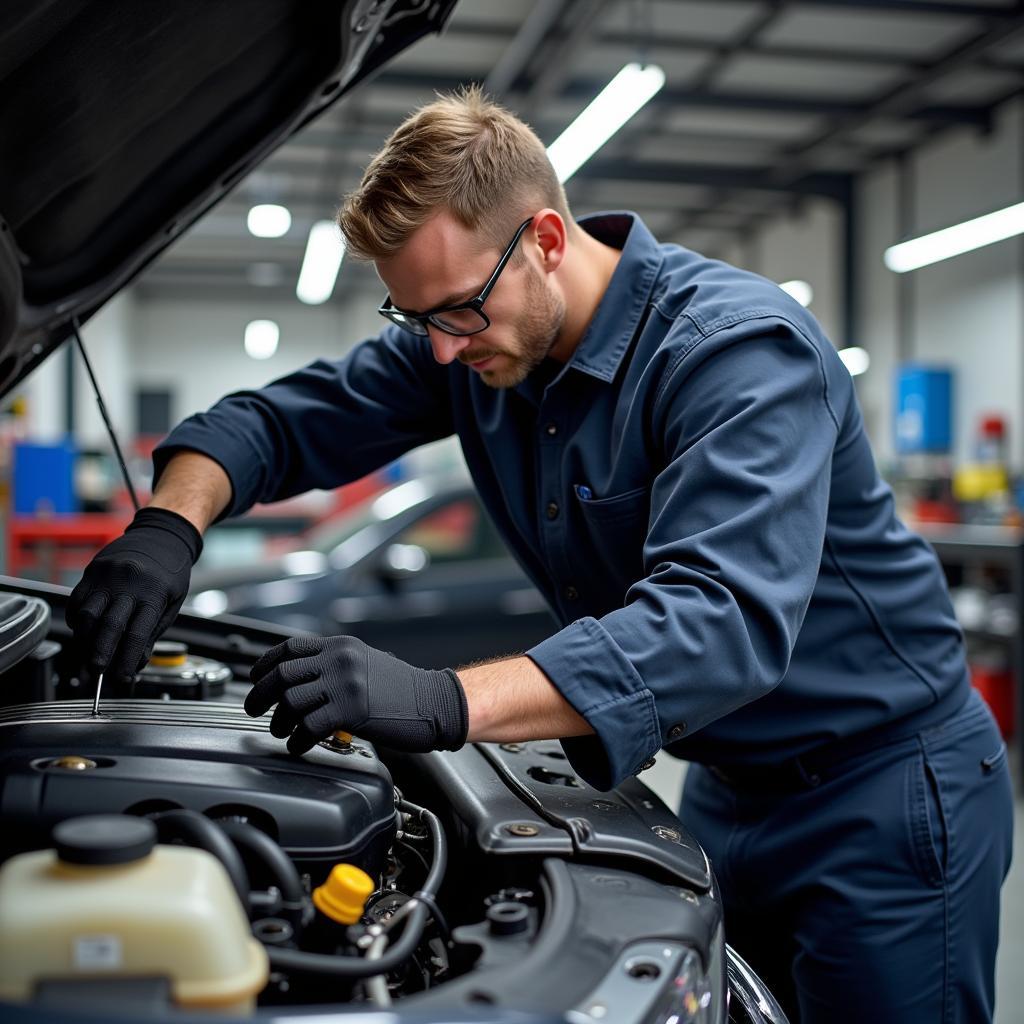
[(830, 54), (904, 95), (824, 183), (679, 97), (963, 10), (696, 44), (538, 26), (798, 161), (725, 54), (316, 142), (552, 71), (625, 144)]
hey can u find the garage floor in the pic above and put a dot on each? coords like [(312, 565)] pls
[(666, 779)]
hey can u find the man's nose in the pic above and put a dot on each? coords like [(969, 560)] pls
[(446, 346)]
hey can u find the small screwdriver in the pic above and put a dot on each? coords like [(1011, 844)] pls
[(96, 700)]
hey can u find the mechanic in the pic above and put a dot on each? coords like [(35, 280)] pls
[(673, 450)]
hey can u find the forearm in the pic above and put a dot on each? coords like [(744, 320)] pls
[(512, 700), (194, 486)]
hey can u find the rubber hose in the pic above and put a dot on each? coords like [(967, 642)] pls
[(255, 841), (195, 829), (439, 864), (354, 966), (412, 931)]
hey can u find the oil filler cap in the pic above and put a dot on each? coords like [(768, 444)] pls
[(343, 896), (104, 839), (168, 654)]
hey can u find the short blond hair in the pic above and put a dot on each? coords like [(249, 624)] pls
[(463, 153)]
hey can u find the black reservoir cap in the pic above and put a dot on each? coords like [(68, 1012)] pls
[(104, 839)]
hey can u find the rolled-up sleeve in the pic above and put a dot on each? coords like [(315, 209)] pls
[(731, 557), (322, 426)]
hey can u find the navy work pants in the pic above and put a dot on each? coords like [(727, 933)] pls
[(871, 891)]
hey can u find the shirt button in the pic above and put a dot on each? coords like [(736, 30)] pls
[(676, 731), (551, 429), (571, 593), (552, 510)]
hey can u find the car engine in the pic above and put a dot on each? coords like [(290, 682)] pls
[(167, 854)]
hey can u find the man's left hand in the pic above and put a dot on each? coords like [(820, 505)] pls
[(324, 684)]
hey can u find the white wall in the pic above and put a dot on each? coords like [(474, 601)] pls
[(195, 349), (192, 349), (107, 338), (807, 247), (967, 312), (43, 391), (878, 306)]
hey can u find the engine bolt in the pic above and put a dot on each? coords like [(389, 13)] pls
[(522, 829), (73, 762), (670, 835), (512, 748)]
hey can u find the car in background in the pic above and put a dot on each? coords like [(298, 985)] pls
[(419, 570)]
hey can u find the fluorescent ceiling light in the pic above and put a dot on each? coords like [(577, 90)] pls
[(209, 603), (261, 338), (799, 290), (269, 220), (613, 106), (941, 245), (324, 252), (855, 359)]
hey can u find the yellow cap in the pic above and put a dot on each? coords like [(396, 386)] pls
[(344, 894), (170, 660), (343, 737)]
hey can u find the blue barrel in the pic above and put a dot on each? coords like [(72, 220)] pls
[(924, 410), (44, 478)]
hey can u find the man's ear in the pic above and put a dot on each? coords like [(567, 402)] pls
[(551, 237)]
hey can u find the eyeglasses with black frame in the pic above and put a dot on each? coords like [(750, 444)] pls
[(462, 318)]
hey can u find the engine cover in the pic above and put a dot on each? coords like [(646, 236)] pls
[(140, 756)]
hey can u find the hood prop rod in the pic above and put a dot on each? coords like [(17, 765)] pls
[(103, 413)]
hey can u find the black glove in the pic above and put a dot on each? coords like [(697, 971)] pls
[(324, 684), (132, 590)]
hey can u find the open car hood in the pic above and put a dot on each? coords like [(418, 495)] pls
[(122, 123)]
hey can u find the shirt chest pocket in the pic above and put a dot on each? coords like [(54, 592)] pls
[(616, 527)]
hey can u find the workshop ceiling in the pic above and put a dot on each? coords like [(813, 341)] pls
[(765, 103)]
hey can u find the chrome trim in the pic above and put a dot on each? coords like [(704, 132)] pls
[(751, 993), (193, 713)]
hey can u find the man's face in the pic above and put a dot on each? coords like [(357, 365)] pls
[(444, 263)]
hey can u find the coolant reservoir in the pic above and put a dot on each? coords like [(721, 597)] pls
[(110, 904)]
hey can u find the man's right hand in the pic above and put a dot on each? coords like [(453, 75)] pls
[(132, 590)]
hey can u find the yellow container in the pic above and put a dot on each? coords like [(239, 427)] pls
[(979, 481), (172, 913)]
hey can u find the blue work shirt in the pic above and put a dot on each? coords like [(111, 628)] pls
[(693, 493)]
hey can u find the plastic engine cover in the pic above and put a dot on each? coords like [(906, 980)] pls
[(140, 756)]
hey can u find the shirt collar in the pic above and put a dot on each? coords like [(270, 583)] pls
[(607, 338)]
